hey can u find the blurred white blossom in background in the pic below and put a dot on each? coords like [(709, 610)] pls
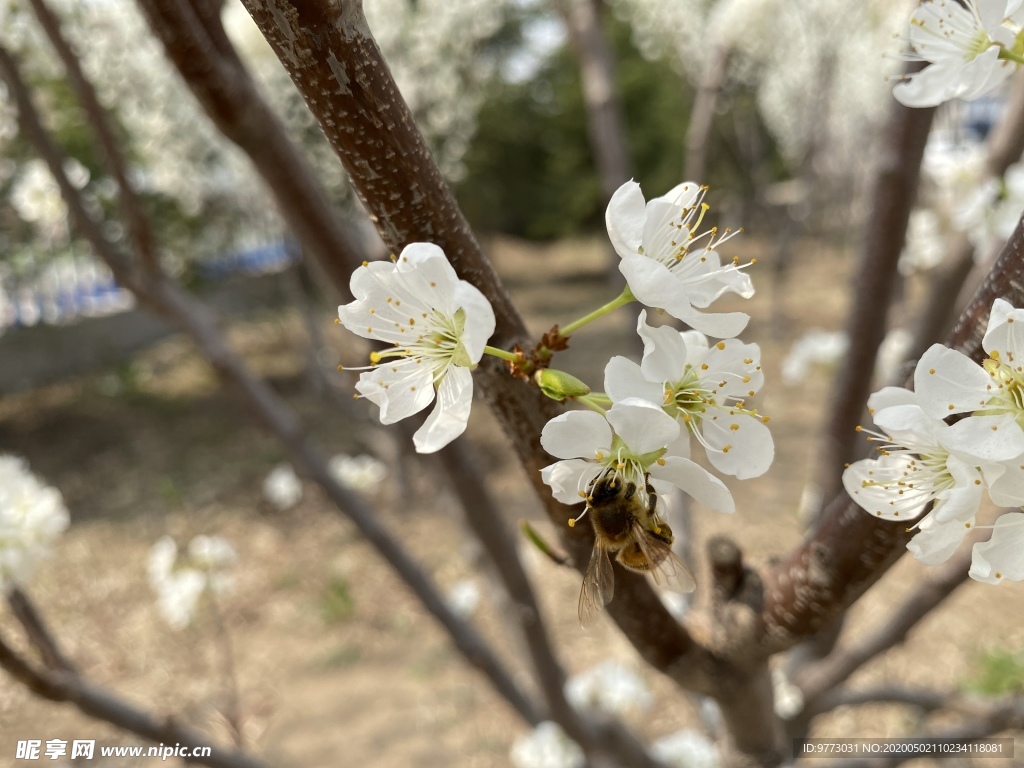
[(685, 749), (180, 579), (547, 746), (32, 516), (361, 473), (282, 487), (463, 598), (610, 687)]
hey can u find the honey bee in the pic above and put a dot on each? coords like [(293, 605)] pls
[(630, 529)]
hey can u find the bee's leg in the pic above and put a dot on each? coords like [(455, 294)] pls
[(652, 499), (630, 491)]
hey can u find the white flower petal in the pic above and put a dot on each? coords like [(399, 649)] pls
[(721, 325), (937, 541), (479, 319), (625, 219), (451, 413), (707, 489), (866, 483), (1002, 556), (947, 381), (400, 389), (960, 502), (1006, 485), (576, 434), (665, 351), (739, 444), (986, 438), (651, 282), (570, 478), (1002, 333), (642, 425), (623, 378), (888, 397)]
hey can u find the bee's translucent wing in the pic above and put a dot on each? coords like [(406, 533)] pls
[(598, 586), (667, 569)]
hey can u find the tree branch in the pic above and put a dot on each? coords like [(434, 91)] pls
[(817, 680), (38, 633), (850, 550), (893, 194), (64, 686)]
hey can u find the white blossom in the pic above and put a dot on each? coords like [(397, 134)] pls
[(181, 579), (360, 473), (547, 746), (282, 487), (438, 325), (463, 598), (962, 44), (630, 440), (610, 687), (686, 748), (32, 516), (705, 388), (815, 347), (668, 264)]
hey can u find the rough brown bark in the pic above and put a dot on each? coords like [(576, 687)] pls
[(893, 194)]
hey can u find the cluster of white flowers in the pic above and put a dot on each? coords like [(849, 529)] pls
[(971, 48), (32, 516), (684, 386), (961, 195), (610, 687), (926, 461), (181, 579)]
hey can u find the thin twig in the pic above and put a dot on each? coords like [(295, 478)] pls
[(923, 698), (67, 687), (38, 633), (135, 220), (815, 681)]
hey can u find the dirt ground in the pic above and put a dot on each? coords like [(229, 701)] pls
[(336, 663)]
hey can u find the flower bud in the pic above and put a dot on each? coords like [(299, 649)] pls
[(558, 385)]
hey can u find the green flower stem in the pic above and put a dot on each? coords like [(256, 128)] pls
[(512, 358), (620, 301), (593, 402), (1006, 53)]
